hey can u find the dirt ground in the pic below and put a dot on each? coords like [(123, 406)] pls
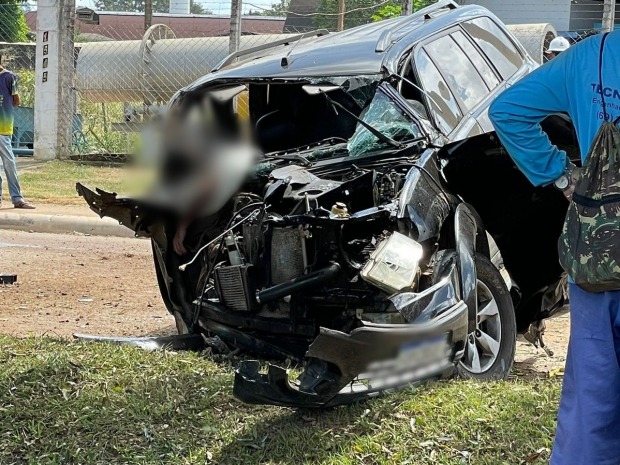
[(79, 284), (106, 286), (530, 361)]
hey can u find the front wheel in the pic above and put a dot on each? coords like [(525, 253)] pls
[(490, 347)]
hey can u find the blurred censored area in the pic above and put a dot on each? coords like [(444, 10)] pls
[(200, 152)]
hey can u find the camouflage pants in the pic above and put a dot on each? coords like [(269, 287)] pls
[(588, 430)]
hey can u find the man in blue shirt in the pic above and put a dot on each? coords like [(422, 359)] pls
[(588, 431), (9, 98)]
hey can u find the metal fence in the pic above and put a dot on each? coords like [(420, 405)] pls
[(125, 74), (127, 66)]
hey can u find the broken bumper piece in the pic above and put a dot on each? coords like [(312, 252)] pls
[(344, 368), (175, 342)]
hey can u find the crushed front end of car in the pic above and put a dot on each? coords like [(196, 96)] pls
[(326, 256)]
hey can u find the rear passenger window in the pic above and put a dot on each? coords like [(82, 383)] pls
[(477, 59), (496, 45), (441, 101), (460, 73)]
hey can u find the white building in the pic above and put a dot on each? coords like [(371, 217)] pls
[(565, 15)]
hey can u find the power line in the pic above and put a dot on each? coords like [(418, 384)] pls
[(323, 14)]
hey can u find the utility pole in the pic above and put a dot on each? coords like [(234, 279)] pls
[(340, 25), (407, 7), (54, 89), (235, 26), (609, 13), (148, 14)]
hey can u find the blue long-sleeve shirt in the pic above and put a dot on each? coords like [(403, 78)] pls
[(567, 84)]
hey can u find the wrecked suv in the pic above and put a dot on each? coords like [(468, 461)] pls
[(385, 237)]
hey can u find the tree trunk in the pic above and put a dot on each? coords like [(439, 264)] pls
[(407, 7), (148, 14), (340, 26)]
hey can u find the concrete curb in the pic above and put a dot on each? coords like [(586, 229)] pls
[(63, 224)]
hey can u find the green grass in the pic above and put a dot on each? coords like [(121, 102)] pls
[(68, 403), (54, 182)]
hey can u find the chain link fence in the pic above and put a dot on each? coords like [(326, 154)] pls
[(127, 68), (125, 74)]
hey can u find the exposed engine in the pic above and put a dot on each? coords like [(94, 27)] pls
[(316, 249)]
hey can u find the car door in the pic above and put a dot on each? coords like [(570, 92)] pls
[(456, 85), (500, 52)]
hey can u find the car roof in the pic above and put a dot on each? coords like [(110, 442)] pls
[(363, 50)]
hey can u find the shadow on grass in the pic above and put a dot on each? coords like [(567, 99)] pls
[(61, 411), (455, 422), (301, 436)]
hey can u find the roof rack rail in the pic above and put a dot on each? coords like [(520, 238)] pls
[(450, 4), (385, 40), (248, 51)]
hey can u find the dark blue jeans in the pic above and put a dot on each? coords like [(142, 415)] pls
[(589, 417)]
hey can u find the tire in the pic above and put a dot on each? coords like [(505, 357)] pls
[(495, 338)]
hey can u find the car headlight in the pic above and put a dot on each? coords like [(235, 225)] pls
[(394, 264)]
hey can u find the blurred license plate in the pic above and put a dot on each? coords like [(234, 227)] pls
[(418, 353)]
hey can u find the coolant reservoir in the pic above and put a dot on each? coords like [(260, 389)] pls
[(340, 210), (393, 266)]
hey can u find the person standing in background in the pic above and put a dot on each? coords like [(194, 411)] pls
[(9, 99), (557, 46)]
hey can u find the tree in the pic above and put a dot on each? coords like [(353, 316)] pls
[(361, 12), (277, 9), (13, 27), (159, 6), (387, 12), (196, 8), (609, 10)]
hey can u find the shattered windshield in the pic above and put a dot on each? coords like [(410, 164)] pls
[(384, 115)]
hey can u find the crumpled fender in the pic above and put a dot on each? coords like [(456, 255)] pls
[(470, 237)]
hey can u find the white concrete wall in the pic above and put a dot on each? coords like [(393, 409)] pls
[(556, 12), (179, 7)]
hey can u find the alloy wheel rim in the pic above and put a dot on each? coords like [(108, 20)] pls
[(483, 344)]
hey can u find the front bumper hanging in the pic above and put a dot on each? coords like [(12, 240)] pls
[(343, 368)]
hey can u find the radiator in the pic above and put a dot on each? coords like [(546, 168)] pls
[(234, 286), (287, 259)]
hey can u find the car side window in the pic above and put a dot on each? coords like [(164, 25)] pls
[(458, 70), (440, 98), (487, 73), (495, 44)]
